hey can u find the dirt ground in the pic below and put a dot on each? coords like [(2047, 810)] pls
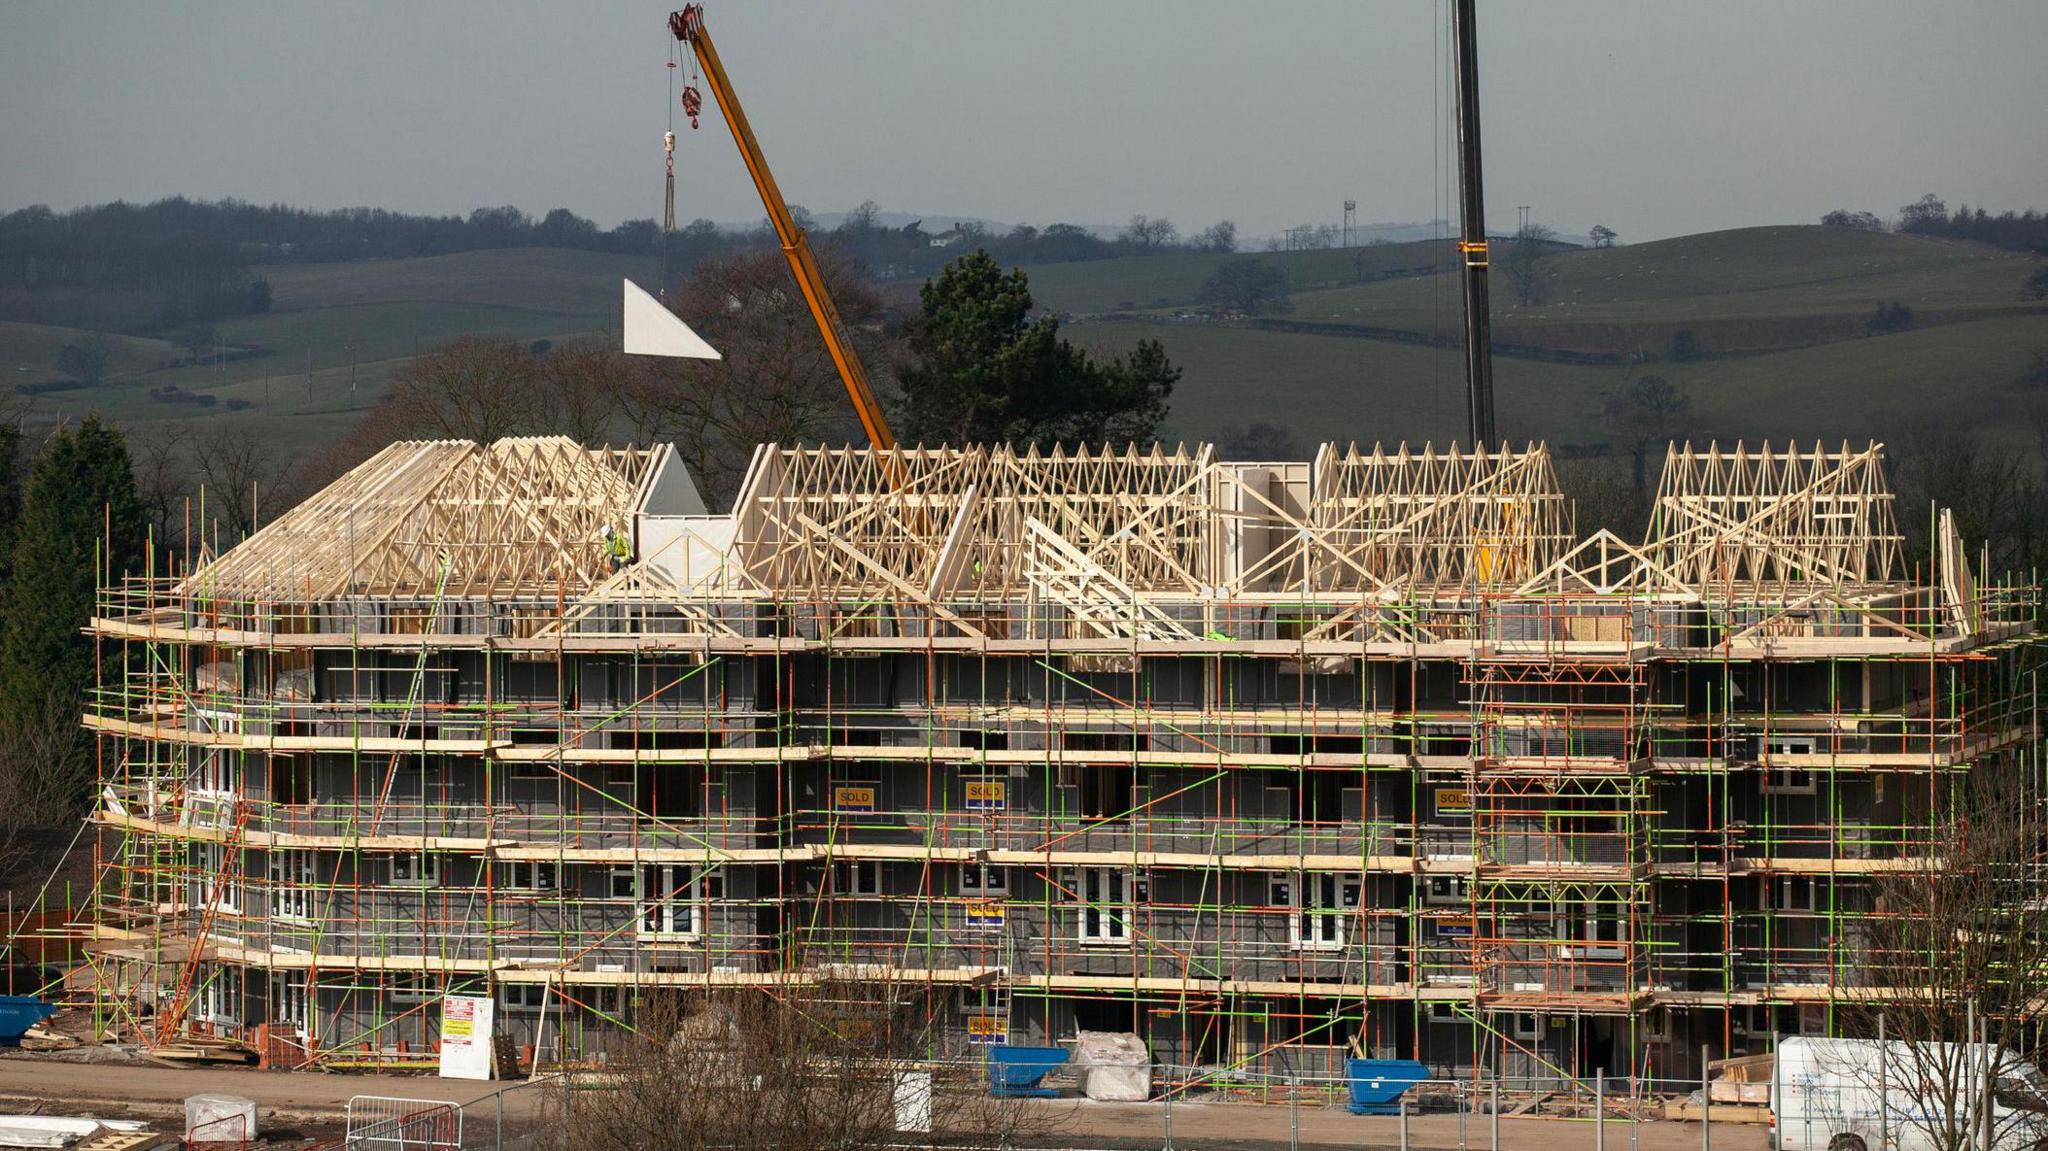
[(310, 1104)]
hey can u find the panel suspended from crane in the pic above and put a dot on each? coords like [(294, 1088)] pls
[(650, 329)]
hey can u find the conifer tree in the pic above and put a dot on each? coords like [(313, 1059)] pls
[(80, 522)]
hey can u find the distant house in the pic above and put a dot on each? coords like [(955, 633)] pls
[(948, 238)]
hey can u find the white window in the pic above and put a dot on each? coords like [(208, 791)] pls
[(985, 880), (1318, 903), (1448, 890), (290, 1005), (216, 879), (415, 869), (674, 900), (1596, 923), (212, 1001), (530, 875), (1781, 779), (860, 877), (215, 777), (1526, 1026), (293, 877), (620, 883), (1105, 894)]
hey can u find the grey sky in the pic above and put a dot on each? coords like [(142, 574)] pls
[(1654, 118)]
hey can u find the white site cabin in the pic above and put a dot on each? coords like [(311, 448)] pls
[(1825, 1096)]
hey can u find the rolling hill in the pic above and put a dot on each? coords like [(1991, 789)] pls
[(1778, 315)]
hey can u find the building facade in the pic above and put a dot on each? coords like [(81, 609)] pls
[(1264, 762)]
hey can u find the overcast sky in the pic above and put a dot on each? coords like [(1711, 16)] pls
[(1655, 118)]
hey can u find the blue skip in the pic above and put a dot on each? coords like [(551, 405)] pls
[(1377, 1084), (1016, 1072), (18, 1013)]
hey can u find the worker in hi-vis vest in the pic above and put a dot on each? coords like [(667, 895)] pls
[(614, 548)]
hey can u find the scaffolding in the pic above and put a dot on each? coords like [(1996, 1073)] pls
[(1268, 763)]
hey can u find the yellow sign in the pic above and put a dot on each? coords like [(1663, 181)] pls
[(1453, 801), (855, 799), (985, 913), (987, 794), (982, 1028)]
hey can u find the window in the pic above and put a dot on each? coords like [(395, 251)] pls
[(986, 740), (530, 875), (859, 877), (1789, 781), (1800, 893), (619, 883), (1317, 902), (523, 998), (407, 987), (674, 900), (1597, 922), (1525, 1026), (293, 877), (1786, 780), (607, 1000), (1106, 790), (1448, 890), (290, 1004), (984, 879), (291, 780), (1105, 894), (1310, 797), (216, 879), (212, 1001), (415, 869)]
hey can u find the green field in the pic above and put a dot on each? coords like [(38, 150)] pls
[(1780, 313), (1174, 279), (336, 334), (1754, 289)]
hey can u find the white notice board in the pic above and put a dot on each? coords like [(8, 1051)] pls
[(465, 1037)]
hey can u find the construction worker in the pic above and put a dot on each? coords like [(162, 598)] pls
[(614, 548)]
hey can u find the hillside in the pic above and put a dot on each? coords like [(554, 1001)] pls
[(1779, 316), (303, 373)]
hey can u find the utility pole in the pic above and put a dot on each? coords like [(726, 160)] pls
[(1472, 242)]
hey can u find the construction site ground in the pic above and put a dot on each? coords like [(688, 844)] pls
[(311, 1106)]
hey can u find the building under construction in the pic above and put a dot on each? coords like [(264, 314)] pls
[(1260, 761)]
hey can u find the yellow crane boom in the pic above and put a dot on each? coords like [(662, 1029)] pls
[(688, 26)]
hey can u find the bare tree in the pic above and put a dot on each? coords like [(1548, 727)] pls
[(1150, 235), (1958, 938), (1247, 285), (1524, 263), (776, 383), (792, 1067), (86, 361), (1602, 236), (163, 480), (238, 476), (1220, 236), (1258, 441), (1647, 414), (471, 389), (577, 390)]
